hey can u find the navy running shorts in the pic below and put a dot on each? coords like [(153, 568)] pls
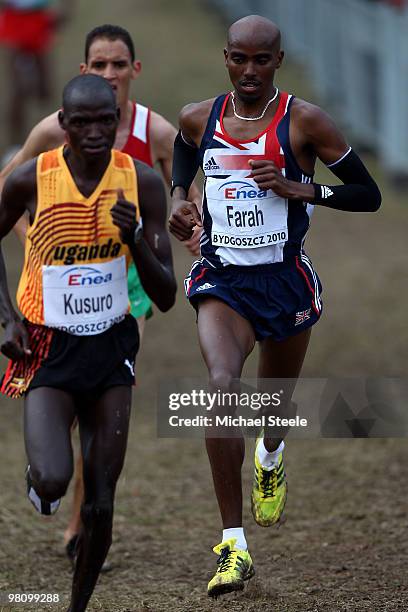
[(279, 300)]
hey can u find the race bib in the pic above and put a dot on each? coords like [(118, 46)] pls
[(85, 299), (243, 216)]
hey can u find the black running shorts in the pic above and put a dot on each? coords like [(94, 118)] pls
[(80, 364)]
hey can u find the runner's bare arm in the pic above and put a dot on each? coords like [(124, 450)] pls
[(193, 120), (162, 135), (46, 135), (314, 134), (19, 195), (152, 254)]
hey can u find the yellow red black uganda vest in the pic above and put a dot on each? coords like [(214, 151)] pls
[(75, 268)]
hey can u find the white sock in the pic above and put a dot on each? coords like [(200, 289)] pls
[(238, 534), (267, 459)]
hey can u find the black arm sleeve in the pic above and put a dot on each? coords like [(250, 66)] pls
[(185, 164), (359, 192)]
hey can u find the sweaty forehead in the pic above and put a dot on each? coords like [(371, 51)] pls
[(104, 48), (258, 36), (82, 101)]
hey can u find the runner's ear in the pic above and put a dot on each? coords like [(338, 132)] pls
[(137, 68), (280, 57), (61, 117)]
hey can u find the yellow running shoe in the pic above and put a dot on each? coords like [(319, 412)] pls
[(234, 567), (269, 492)]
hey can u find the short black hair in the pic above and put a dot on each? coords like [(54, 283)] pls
[(88, 85), (111, 32)]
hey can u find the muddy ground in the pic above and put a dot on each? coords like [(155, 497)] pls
[(344, 545)]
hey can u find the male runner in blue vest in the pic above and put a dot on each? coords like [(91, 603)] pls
[(257, 147)]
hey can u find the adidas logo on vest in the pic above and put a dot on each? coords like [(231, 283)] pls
[(211, 165)]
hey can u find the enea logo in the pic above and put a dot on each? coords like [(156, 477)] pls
[(240, 190), (80, 276)]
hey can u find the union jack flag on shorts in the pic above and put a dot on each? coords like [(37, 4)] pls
[(302, 316)]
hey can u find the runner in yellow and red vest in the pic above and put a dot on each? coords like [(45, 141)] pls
[(92, 209), (143, 134)]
